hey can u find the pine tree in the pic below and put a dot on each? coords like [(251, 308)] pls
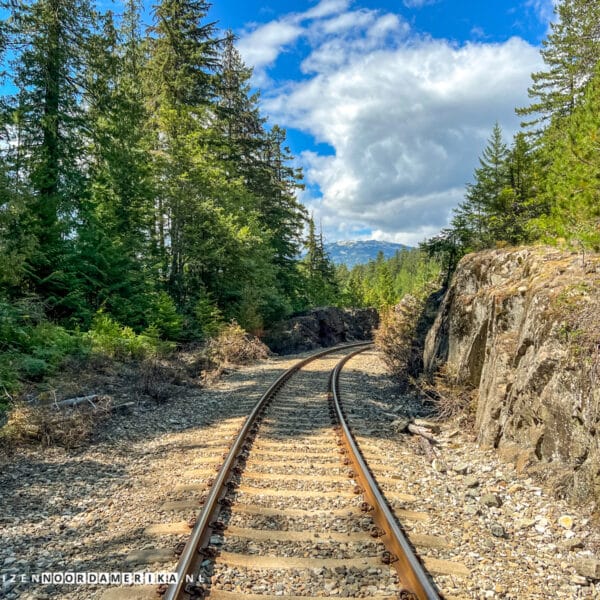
[(240, 122), (320, 277), (570, 186), (180, 82), (476, 216), (49, 76), (570, 52)]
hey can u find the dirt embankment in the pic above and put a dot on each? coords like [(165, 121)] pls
[(522, 327)]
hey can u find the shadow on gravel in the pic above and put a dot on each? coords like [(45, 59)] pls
[(32, 488)]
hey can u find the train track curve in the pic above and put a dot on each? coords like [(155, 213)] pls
[(296, 448)]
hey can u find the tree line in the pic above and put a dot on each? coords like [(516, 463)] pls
[(138, 177), (544, 185)]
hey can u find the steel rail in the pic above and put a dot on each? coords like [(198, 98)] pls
[(410, 571), (190, 559)]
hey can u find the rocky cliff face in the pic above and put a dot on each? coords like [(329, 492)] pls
[(523, 328)]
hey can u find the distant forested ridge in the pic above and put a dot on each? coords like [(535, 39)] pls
[(543, 186), (360, 252)]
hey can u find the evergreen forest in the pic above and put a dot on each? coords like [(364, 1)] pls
[(145, 200)]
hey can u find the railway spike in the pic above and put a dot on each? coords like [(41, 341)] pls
[(217, 526), (207, 552), (178, 550), (387, 558), (366, 507), (192, 522), (195, 589), (357, 490), (376, 532), (407, 595), (161, 590)]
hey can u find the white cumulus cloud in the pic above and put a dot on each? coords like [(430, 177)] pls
[(406, 118)]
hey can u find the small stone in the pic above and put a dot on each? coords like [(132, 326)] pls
[(498, 531), (588, 567), (566, 522), (471, 482), (438, 465), (525, 524), (471, 511), (461, 468), (572, 544), (491, 500)]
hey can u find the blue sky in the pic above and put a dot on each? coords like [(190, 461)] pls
[(388, 104)]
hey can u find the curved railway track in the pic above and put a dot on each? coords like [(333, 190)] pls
[(291, 509), (285, 455)]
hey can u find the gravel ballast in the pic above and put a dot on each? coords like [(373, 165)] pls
[(86, 509)]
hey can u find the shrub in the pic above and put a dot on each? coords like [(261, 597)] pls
[(30, 346), (165, 319), (208, 317), (235, 346), (121, 342), (396, 338)]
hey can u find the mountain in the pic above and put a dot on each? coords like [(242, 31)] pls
[(351, 253)]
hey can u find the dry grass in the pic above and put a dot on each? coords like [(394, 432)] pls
[(51, 425), (448, 398), (234, 346), (159, 379), (396, 339)]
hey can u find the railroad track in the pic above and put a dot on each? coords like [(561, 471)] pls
[(294, 511)]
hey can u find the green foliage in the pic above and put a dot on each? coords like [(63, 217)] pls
[(321, 286), (30, 346), (570, 52), (570, 190), (208, 316), (121, 342), (383, 283), (164, 317)]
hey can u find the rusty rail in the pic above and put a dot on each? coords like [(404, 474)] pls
[(191, 557), (410, 571)]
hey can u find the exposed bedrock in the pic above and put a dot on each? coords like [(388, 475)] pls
[(522, 326), (321, 328)]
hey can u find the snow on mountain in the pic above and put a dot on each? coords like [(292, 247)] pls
[(357, 252)]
